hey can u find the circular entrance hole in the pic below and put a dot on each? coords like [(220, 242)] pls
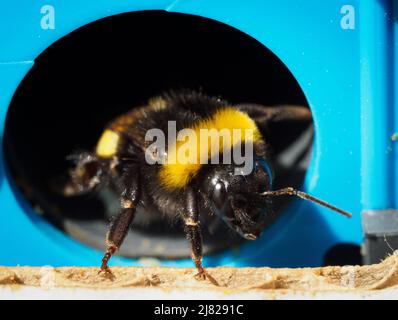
[(105, 68)]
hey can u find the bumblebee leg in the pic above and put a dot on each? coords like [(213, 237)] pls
[(193, 232), (116, 234), (119, 227), (194, 235), (87, 174)]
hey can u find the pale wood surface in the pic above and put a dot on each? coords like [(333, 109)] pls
[(227, 282)]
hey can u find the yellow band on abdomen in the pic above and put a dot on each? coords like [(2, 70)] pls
[(107, 144)]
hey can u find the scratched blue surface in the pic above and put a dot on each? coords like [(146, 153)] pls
[(325, 59)]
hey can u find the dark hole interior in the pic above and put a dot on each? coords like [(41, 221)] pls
[(108, 67)]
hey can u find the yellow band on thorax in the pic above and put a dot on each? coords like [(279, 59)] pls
[(225, 129)]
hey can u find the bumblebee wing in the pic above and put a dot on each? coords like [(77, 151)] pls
[(280, 125), (263, 115)]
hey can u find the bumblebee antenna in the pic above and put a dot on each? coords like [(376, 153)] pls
[(293, 192)]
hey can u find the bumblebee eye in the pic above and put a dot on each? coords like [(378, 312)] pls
[(263, 165), (219, 196), (221, 202)]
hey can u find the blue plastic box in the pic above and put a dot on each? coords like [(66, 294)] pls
[(342, 55)]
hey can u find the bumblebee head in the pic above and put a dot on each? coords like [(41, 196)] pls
[(237, 199)]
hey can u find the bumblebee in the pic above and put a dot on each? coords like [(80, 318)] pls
[(186, 190)]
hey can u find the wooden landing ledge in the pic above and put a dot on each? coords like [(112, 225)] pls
[(347, 282)]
